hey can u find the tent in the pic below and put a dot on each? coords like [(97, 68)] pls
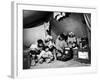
[(33, 25)]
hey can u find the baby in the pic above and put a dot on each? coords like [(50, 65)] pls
[(45, 55)]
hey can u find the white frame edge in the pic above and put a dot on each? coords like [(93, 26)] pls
[(14, 65), (14, 40)]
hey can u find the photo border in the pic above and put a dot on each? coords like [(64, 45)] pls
[(17, 30)]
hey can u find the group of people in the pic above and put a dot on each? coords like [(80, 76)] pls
[(43, 51), (49, 50)]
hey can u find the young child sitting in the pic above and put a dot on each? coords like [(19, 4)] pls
[(35, 50), (45, 55)]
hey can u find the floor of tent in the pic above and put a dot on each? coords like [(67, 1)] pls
[(59, 64)]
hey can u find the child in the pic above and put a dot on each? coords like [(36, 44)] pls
[(34, 57), (35, 50), (45, 55)]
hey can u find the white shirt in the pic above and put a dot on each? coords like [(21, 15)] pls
[(45, 54), (48, 37), (33, 47)]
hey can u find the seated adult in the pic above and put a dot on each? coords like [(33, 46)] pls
[(71, 40), (38, 46), (35, 50), (84, 42), (60, 45), (49, 42)]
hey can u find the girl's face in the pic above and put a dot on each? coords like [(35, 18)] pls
[(40, 44), (60, 38)]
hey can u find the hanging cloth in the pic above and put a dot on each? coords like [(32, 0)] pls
[(87, 18)]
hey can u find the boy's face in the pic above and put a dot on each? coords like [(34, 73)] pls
[(47, 49)]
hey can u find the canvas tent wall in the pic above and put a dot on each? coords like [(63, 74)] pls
[(33, 25)]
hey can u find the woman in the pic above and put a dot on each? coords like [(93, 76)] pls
[(60, 45)]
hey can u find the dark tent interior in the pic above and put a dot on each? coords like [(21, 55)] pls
[(33, 26)]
